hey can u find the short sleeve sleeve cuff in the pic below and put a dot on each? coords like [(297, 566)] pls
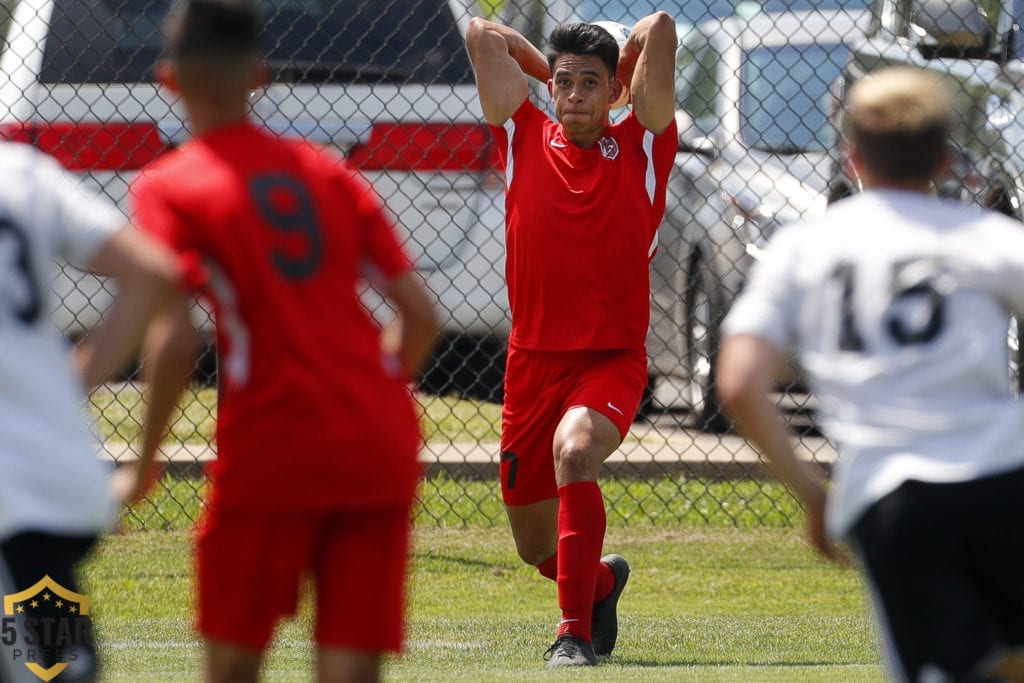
[(753, 316), (85, 219)]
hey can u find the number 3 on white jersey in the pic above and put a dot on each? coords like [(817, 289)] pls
[(19, 287)]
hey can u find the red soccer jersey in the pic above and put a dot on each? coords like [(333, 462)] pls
[(310, 413), (581, 228)]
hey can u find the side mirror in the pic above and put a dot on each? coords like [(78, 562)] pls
[(952, 26), (691, 138), (998, 112)]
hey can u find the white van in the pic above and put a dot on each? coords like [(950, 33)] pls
[(389, 84)]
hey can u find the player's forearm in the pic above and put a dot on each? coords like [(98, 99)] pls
[(412, 335), (416, 339), (757, 418), (659, 23), (647, 68), (662, 27), (747, 371), (145, 275), (169, 354), (110, 347), (529, 58)]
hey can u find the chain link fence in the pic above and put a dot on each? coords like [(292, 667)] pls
[(389, 84)]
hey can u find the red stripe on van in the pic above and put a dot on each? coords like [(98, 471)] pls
[(91, 146), (425, 147)]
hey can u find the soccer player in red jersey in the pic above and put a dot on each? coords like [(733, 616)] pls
[(584, 199), (317, 431)]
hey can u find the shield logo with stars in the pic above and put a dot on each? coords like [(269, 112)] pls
[(45, 618)]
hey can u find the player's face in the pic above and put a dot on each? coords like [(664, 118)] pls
[(581, 89)]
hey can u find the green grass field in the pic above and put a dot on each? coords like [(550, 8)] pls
[(723, 588), (174, 504), (116, 411), (706, 602)]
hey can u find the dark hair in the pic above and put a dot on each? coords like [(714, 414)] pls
[(213, 30), (899, 119), (899, 155), (583, 39)]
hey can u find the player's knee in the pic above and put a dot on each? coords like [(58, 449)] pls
[(577, 462), (531, 556), (536, 544), (535, 554)]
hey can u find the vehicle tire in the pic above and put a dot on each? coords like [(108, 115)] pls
[(205, 372), (647, 400), (468, 367), (704, 314), (1013, 339)]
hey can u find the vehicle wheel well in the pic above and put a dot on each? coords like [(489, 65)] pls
[(703, 400), (839, 191), (468, 366), (999, 200)]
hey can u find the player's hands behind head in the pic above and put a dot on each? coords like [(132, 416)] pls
[(620, 32)]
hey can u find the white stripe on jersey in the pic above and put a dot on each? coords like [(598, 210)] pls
[(654, 244), (236, 361), (510, 131), (650, 183), (650, 179)]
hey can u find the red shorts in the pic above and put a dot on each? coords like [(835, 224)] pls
[(250, 568), (540, 386)]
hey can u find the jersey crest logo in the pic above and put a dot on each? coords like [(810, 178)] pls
[(609, 148)]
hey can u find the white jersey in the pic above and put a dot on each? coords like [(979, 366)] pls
[(50, 477), (897, 305)]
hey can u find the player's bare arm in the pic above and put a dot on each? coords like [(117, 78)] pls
[(411, 338), (502, 59), (647, 63), (145, 272), (169, 354), (747, 373)]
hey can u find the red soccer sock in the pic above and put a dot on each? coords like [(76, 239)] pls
[(549, 568), (605, 577), (581, 527)]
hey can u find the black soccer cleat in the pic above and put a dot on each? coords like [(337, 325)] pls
[(570, 651), (604, 627)]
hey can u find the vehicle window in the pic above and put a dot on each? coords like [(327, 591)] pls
[(323, 41), (697, 84), (1014, 35), (696, 11), (785, 96)]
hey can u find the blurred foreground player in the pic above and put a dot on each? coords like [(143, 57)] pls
[(54, 494), (897, 305), (317, 434)]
